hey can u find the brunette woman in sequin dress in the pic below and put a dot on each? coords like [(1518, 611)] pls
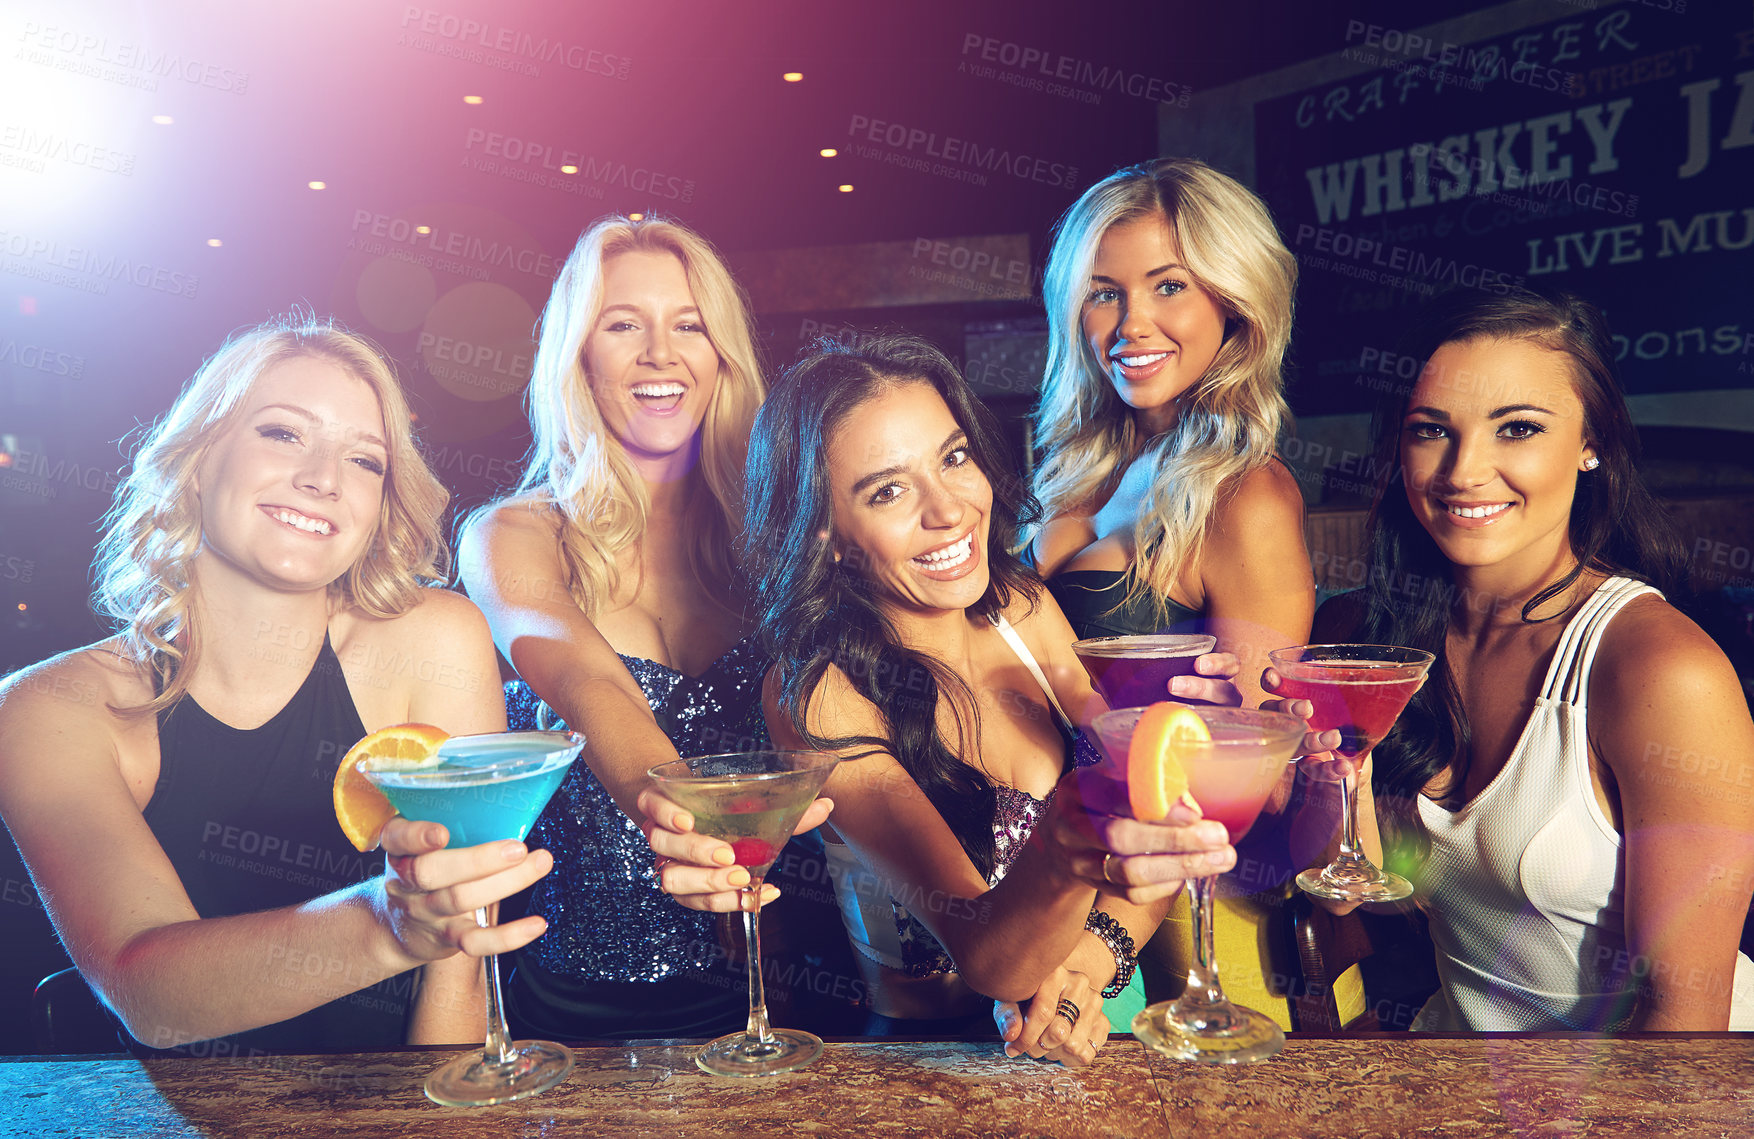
[(909, 640), (608, 582)]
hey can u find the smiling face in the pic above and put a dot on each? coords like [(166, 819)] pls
[(1492, 445), (651, 366), (1152, 327), (290, 494), (911, 509)]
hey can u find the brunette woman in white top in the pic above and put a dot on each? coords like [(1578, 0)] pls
[(1575, 776)]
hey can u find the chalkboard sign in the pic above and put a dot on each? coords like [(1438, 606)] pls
[(1609, 152)]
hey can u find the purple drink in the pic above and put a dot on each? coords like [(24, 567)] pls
[(1131, 672)]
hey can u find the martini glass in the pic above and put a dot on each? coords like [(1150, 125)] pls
[(1230, 776), (752, 800), (1133, 671), (1359, 690), (487, 788)]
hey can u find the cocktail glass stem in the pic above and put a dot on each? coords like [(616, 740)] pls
[(499, 1038), (1202, 1005), (759, 1030), (1351, 876), (1351, 858)]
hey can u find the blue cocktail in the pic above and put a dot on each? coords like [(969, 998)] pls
[(486, 788)]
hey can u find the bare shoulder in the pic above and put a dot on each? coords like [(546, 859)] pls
[(512, 529), (1653, 650), (524, 515), (836, 708), (1260, 505), (89, 679), (438, 617), (1039, 621), (1660, 689), (441, 645), (68, 705)]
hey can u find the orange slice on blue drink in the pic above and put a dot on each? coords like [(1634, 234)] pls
[(1156, 776), (360, 808)]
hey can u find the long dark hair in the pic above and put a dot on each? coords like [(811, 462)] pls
[(814, 613), (1616, 527)]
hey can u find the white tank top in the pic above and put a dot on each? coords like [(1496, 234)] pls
[(1525, 884)]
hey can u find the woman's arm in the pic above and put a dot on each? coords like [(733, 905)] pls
[(119, 907), (1668, 720), (510, 563), (1259, 591)]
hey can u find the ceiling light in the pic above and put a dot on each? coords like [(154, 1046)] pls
[(318, 185), (473, 100), (215, 242), (846, 187), (793, 77), (163, 120), (828, 152)]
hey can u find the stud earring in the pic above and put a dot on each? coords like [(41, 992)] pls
[(1591, 463)]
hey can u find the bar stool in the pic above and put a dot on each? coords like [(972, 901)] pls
[(66, 1018)]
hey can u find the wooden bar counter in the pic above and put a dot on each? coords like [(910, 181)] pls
[(1388, 1085)]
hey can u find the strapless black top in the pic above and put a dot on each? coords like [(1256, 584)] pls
[(1096, 604)]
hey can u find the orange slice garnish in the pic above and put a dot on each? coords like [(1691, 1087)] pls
[(360, 808), (1156, 776)]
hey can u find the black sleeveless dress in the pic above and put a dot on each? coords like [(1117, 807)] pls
[(248, 822)]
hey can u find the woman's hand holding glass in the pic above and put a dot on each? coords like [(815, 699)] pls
[(1087, 827), (1317, 758), (696, 870), (431, 894), (1212, 682)]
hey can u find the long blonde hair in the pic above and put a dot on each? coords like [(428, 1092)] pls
[(153, 531), (1230, 420), (576, 463)]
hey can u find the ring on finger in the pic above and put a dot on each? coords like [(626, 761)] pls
[(1107, 859), (1068, 1010), (658, 869)]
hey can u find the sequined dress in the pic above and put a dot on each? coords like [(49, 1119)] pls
[(903, 942), (620, 958)]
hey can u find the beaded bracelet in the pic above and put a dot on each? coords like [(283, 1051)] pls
[(1120, 943)]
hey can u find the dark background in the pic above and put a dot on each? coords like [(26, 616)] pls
[(130, 248)]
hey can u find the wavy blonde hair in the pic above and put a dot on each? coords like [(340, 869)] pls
[(153, 531), (576, 463), (1230, 419)]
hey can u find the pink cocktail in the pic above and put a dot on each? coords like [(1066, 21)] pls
[(1131, 672), (1360, 699), (1359, 691), (1230, 776)]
